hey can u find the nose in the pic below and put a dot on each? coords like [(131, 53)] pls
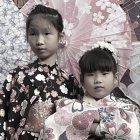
[(97, 79), (40, 40)]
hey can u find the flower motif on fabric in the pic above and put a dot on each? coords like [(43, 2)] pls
[(13, 95), (116, 133), (24, 105), (124, 115), (64, 89), (40, 69), (52, 77), (40, 77), (54, 71), (22, 122), (63, 118), (21, 77), (2, 113), (103, 4), (1, 136), (77, 106), (90, 114), (105, 115), (33, 98), (80, 122), (36, 92), (4, 126), (45, 69), (31, 71), (54, 93), (49, 134), (98, 17), (17, 108), (74, 134), (62, 102), (48, 94)]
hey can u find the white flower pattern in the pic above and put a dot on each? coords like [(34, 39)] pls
[(63, 89), (103, 4), (98, 17), (40, 77), (2, 113)]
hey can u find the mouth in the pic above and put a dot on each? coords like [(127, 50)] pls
[(98, 87), (41, 49)]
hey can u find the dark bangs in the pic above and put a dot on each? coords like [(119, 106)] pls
[(97, 59)]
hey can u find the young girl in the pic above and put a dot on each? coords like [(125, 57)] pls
[(102, 114), (29, 92)]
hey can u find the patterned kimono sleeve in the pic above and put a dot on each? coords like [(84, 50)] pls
[(118, 123), (4, 104)]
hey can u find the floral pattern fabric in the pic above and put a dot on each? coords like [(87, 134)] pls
[(73, 119), (14, 50), (29, 92)]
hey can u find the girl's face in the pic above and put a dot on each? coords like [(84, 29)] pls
[(43, 39), (99, 84)]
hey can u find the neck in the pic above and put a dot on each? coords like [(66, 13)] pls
[(89, 99), (49, 61)]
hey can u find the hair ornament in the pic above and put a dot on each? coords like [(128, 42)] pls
[(108, 46)]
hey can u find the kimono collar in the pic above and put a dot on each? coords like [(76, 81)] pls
[(38, 64)]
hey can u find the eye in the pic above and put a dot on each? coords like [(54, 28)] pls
[(105, 73), (47, 33), (90, 74), (32, 33)]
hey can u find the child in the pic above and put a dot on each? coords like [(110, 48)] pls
[(29, 92), (101, 114)]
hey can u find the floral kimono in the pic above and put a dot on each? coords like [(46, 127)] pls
[(27, 99), (73, 119)]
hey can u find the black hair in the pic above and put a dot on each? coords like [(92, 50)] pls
[(53, 15), (97, 59)]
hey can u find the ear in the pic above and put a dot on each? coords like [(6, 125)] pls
[(62, 39), (116, 79)]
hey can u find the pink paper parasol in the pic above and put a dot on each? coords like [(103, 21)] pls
[(86, 22), (132, 8)]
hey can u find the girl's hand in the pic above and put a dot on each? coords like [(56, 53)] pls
[(97, 118), (93, 128)]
